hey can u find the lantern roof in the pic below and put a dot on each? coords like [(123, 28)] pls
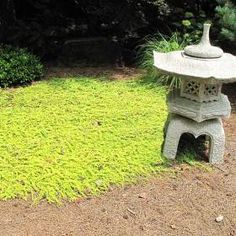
[(201, 61)]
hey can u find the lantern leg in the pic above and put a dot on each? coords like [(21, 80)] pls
[(172, 137), (217, 147), (179, 125)]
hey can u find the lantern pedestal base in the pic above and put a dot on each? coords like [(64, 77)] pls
[(178, 125)]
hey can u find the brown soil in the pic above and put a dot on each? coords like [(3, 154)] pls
[(112, 73), (185, 204)]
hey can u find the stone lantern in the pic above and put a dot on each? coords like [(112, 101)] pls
[(199, 105)]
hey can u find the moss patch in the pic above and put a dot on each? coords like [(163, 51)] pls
[(64, 138)]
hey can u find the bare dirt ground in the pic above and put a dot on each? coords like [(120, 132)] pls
[(185, 204)]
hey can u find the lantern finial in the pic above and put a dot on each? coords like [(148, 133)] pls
[(204, 49)]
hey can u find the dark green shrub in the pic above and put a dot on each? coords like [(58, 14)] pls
[(18, 67)]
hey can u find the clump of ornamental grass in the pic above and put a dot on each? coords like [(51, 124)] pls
[(159, 43)]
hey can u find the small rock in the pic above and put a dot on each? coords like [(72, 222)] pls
[(219, 218), (173, 227), (125, 217)]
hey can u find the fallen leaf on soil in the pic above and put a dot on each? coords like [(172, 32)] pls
[(142, 195)]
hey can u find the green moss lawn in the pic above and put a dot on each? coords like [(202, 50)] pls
[(65, 138)]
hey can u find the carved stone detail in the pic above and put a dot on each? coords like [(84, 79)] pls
[(198, 111), (200, 90)]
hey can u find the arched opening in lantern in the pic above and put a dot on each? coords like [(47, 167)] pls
[(200, 147)]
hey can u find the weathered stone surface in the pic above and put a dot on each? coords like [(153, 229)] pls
[(198, 111), (201, 62), (203, 69), (178, 64), (179, 125)]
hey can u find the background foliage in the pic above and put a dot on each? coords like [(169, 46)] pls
[(44, 25), (227, 19), (159, 43)]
